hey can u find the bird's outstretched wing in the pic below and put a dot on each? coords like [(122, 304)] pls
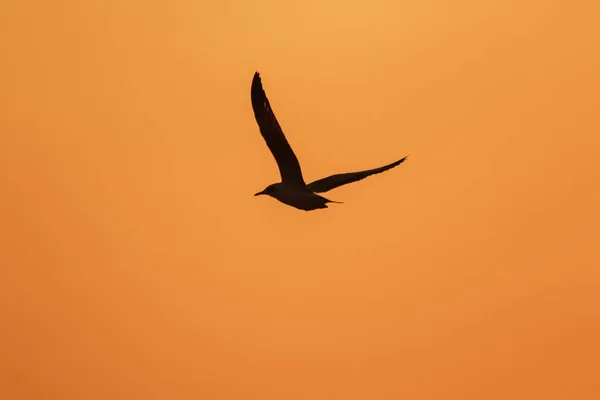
[(288, 164), (333, 181)]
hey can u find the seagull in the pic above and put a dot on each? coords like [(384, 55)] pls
[(292, 190)]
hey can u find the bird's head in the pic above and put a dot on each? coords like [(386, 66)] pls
[(269, 190)]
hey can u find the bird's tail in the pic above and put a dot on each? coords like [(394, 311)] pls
[(325, 201), (332, 201)]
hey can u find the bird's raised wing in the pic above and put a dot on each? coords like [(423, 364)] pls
[(288, 164), (333, 181)]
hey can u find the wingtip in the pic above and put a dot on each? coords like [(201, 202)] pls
[(256, 89), (256, 81), (400, 161)]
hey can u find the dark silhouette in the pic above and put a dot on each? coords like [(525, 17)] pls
[(292, 190)]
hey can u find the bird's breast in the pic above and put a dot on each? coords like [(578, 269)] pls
[(297, 197)]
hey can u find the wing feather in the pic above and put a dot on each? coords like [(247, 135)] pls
[(289, 167), (333, 181)]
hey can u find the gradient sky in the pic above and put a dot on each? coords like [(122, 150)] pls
[(136, 264)]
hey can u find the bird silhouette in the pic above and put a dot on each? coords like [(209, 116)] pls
[(292, 190)]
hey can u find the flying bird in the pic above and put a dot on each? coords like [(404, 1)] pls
[(292, 190)]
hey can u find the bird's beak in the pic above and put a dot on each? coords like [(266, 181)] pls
[(259, 193)]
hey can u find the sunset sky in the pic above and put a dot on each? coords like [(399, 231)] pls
[(135, 262)]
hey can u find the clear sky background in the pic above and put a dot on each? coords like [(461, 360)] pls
[(136, 264)]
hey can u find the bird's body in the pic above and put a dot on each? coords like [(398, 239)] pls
[(297, 197), (292, 190)]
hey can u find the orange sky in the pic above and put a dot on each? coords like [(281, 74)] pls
[(136, 264)]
